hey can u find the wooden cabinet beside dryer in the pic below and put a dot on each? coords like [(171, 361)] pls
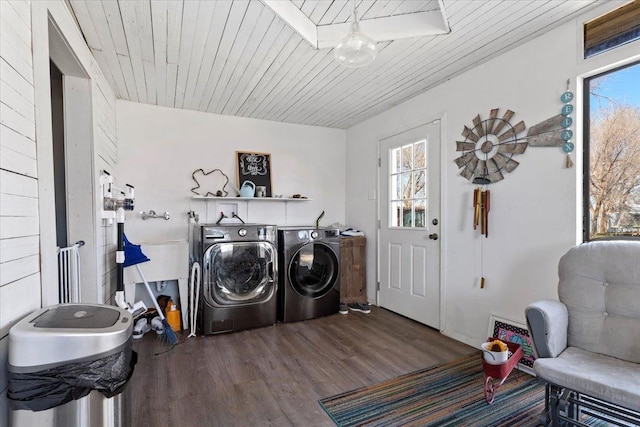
[(353, 269)]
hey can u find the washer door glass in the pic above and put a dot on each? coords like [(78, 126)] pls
[(313, 270), (239, 272)]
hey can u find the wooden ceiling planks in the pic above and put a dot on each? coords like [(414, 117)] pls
[(238, 58)]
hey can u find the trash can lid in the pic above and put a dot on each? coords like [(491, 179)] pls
[(68, 332), (78, 316)]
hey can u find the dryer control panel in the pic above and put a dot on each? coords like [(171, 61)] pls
[(237, 232)]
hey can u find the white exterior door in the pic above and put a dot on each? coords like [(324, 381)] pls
[(410, 224)]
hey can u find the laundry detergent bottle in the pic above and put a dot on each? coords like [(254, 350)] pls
[(173, 316)]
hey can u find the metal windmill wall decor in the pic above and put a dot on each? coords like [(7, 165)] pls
[(489, 147)]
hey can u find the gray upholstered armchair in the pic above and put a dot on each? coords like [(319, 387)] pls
[(588, 342)]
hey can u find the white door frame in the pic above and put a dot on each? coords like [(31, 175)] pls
[(443, 204), (49, 42)]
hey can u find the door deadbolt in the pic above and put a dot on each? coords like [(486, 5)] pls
[(435, 221), (433, 236)]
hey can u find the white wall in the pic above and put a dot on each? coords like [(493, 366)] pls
[(27, 246), (159, 148), (534, 214)]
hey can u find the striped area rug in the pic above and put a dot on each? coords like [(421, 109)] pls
[(445, 395)]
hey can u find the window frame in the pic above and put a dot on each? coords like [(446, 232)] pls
[(586, 155)]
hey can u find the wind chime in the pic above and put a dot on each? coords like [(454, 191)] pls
[(481, 207), (567, 121), (487, 152)]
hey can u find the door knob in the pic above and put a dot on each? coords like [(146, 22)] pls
[(433, 236)]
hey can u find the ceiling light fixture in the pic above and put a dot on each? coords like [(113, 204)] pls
[(356, 49)]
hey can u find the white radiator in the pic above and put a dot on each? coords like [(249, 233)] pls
[(69, 273)]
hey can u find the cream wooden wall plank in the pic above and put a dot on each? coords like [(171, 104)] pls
[(10, 19), (22, 185), (117, 46), (174, 30), (111, 10), (14, 79), (129, 78), (105, 51), (204, 78), (105, 67), (18, 163), (14, 100), (301, 59), (22, 8), (145, 29), (249, 32), (307, 75), (172, 77), (16, 54), (16, 269), (81, 12), (333, 12), (14, 120), (233, 23), (18, 205), (197, 63), (258, 92), (20, 247), (277, 35), (159, 25), (130, 22), (11, 227), (374, 10), (320, 10), (190, 15), (151, 81), (18, 299), (298, 103)]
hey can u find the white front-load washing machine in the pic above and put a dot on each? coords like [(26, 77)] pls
[(310, 273), (239, 276)]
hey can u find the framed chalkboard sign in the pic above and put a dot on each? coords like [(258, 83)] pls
[(255, 167)]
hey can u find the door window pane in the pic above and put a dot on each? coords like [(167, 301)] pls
[(420, 213), (407, 158), (418, 184), (396, 158), (420, 154), (408, 185)]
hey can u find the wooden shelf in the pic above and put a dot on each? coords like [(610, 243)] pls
[(252, 199)]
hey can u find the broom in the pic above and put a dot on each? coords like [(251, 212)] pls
[(133, 256)]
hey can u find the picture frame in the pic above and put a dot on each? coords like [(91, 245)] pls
[(255, 167), (509, 330)]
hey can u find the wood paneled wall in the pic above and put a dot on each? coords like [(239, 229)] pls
[(19, 229), (19, 254), (20, 221)]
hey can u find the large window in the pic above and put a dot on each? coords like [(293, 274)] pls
[(612, 154)]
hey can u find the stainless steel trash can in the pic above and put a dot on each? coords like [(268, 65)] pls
[(71, 357)]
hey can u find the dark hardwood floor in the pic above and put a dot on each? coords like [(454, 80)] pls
[(274, 376)]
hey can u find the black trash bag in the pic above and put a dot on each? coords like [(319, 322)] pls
[(49, 388)]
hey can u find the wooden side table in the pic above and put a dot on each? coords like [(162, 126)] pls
[(353, 269)]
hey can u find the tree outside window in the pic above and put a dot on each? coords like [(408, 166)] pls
[(613, 144)]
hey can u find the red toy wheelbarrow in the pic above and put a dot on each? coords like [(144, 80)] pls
[(495, 375)]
